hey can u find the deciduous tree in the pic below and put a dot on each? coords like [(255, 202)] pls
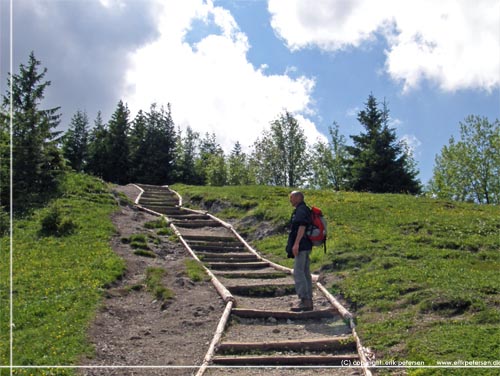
[(281, 156), (469, 169)]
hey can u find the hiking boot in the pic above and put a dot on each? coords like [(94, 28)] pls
[(303, 306), (308, 305), (299, 307)]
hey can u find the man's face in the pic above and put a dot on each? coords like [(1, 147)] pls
[(294, 200)]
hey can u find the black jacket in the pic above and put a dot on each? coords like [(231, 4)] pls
[(301, 216)]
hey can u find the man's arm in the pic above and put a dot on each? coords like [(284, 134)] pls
[(300, 233)]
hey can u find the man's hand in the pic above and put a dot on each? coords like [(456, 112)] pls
[(295, 250)]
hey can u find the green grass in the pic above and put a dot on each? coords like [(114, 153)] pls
[(154, 284), (195, 271), (420, 274), (58, 280)]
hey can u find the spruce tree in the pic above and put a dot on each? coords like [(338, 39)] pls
[(98, 148), (117, 165), (75, 141), (160, 140), (138, 148), (377, 161), (238, 169), (37, 162)]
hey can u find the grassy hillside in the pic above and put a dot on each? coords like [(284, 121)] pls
[(61, 261), (420, 274)]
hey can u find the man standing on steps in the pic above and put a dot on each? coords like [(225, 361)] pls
[(299, 247)]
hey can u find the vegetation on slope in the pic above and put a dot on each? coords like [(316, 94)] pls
[(58, 276), (420, 274)]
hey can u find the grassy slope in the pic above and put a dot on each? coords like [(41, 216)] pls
[(58, 280), (420, 274)]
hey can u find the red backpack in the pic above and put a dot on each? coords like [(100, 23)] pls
[(317, 231)]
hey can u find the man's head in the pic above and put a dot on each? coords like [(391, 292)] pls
[(296, 197)]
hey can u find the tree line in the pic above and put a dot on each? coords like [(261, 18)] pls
[(150, 149)]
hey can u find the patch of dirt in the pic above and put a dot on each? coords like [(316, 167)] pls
[(135, 330)]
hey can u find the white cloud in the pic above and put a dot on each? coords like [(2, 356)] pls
[(211, 84), (352, 112), (413, 143), (395, 122), (454, 43)]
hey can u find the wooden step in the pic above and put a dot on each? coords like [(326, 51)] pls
[(264, 314), (210, 238), (237, 265), (187, 215), (291, 360), (218, 248), (250, 274), (192, 223), (227, 257), (262, 290), (341, 343)]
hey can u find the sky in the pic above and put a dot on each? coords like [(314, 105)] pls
[(232, 67)]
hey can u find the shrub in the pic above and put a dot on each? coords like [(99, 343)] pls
[(56, 223)]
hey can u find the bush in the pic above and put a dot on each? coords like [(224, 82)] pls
[(56, 223)]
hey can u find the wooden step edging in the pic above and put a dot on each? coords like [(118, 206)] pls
[(230, 307), (216, 338)]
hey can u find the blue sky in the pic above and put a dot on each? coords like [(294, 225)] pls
[(230, 67)]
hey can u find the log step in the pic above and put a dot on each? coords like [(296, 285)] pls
[(263, 290), (187, 215), (192, 223), (159, 201), (167, 210), (227, 257), (292, 360), (237, 265), (217, 248), (341, 343), (252, 274), (264, 314), (210, 238)]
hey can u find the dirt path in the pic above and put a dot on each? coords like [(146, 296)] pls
[(132, 328)]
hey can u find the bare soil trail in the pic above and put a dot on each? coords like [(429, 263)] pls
[(132, 328), (261, 337)]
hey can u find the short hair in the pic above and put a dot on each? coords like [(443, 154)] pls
[(298, 193)]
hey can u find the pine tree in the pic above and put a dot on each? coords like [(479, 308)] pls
[(37, 162), (377, 161), (75, 141)]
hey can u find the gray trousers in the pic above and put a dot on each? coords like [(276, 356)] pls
[(302, 275)]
